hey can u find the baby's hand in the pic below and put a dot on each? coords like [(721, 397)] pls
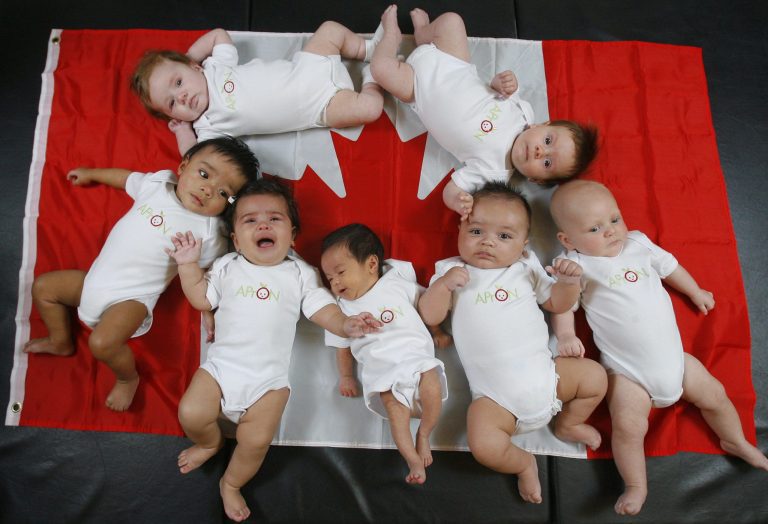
[(209, 323), (187, 248), (348, 387), (358, 325), (455, 278), (566, 271), (178, 125), (80, 176), (464, 205), (504, 83), (570, 346), (704, 300)]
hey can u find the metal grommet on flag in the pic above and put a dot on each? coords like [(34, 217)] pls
[(16, 407), (55, 39)]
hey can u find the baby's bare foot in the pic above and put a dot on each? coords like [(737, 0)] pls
[(121, 396), (417, 473), (528, 483), (389, 23), (747, 452), (420, 18), (583, 433), (46, 345), (631, 501), (423, 449), (234, 503), (195, 456)]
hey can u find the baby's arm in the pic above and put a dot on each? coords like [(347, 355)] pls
[(504, 83), (333, 319), (113, 177), (457, 199), (187, 255), (435, 302), (682, 281), (568, 344), (345, 363), (440, 337), (565, 292), (203, 46), (185, 135)]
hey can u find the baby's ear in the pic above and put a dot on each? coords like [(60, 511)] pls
[(373, 264), (563, 238)]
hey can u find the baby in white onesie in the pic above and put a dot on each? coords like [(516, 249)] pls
[(206, 93), (116, 296), (634, 328), (259, 292), (488, 128), (401, 376), (494, 290)]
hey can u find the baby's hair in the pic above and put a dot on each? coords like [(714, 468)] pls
[(585, 140), (503, 191), (359, 239), (147, 64), (234, 150), (264, 186)]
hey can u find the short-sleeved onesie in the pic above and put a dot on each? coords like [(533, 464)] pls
[(258, 307), (133, 264), (632, 318), (268, 96), (502, 338), (466, 117), (394, 357)]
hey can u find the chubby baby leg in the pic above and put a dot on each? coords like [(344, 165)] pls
[(629, 405), (54, 294), (400, 424), (708, 394), (447, 32), (390, 73), (581, 387), (255, 432), (332, 38), (348, 108), (198, 411), (489, 428)]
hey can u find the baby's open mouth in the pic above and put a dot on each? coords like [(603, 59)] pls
[(265, 242)]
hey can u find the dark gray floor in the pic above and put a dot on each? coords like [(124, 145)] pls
[(66, 476)]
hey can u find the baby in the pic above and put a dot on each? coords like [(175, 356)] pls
[(206, 93), (494, 289), (116, 296), (634, 327), (258, 293), (400, 374), (490, 129)]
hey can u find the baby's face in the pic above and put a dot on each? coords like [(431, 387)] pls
[(348, 278), (495, 234), (263, 232), (593, 224), (543, 151), (178, 90), (206, 181)]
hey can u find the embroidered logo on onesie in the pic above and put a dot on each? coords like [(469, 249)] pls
[(627, 276), (499, 295), (155, 219), (227, 90), (260, 292), (486, 125), (388, 313)]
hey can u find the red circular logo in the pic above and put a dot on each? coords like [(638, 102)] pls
[(630, 276), (387, 316), (501, 295), (486, 126), (156, 220), (229, 86), (262, 293)]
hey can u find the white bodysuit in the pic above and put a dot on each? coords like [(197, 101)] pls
[(631, 316), (258, 307), (466, 117), (502, 338), (394, 357), (268, 96), (133, 264)]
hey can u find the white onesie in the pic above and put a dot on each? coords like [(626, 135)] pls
[(133, 264), (466, 117), (502, 338), (631, 316), (394, 357), (258, 307), (268, 96)]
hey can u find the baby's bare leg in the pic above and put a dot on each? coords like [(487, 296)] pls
[(198, 411), (332, 38), (54, 293), (489, 428), (581, 387), (707, 393), (348, 108), (391, 74), (399, 423), (629, 405), (254, 434), (108, 344), (447, 32), (431, 393)]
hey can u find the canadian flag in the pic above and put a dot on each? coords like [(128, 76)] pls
[(658, 155)]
